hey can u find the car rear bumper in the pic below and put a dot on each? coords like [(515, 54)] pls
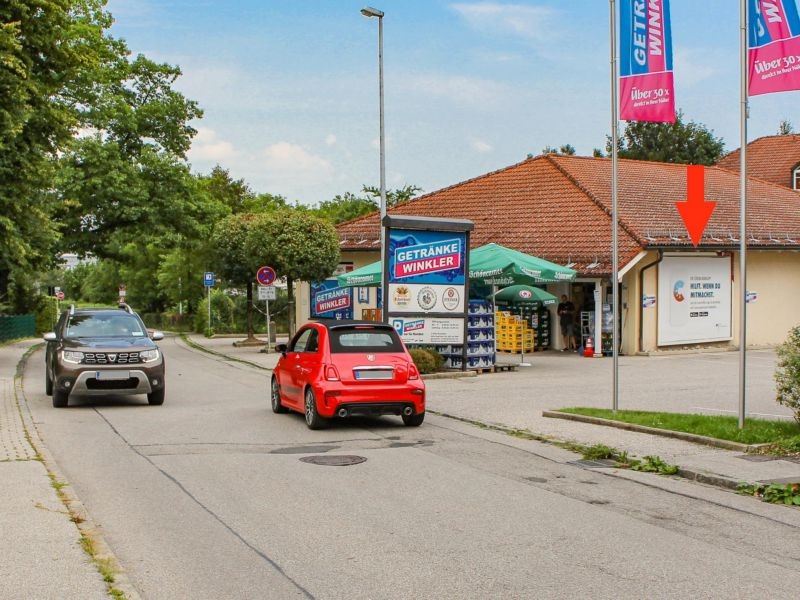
[(370, 400)]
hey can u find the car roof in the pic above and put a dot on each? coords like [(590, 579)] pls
[(346, 323), (101, 311)]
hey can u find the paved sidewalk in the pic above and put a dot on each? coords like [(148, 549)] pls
[(514, 400), (41, 553)]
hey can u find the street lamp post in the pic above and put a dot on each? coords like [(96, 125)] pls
[(374, 12)]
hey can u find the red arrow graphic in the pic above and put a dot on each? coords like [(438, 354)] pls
[(695, 212)]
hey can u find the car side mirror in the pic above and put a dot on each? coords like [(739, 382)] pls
[(282, 348), (49, 337), (156, 336)]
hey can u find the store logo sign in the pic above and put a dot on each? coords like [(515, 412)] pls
[(431, 257)]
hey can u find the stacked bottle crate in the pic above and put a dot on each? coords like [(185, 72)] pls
[(480, 340), (514, 334)]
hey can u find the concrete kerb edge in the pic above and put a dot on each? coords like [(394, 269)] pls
[(76, 509), (192, 344), (680, 435)]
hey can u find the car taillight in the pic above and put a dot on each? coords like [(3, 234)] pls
[(331, 374), (413, 373)]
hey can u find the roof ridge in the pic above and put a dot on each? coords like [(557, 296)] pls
[(753, 178), (758, 139), (596, 200)]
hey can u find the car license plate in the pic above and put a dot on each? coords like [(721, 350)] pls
[(112, 375), (374, 374)]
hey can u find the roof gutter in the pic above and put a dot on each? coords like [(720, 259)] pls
[(641, 294)]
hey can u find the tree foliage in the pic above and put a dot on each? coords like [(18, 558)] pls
[(679, 142), (566, 149), (393, 197), (785, 127)]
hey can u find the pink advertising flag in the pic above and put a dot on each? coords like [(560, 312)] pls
[(773, 46), (646, 88)]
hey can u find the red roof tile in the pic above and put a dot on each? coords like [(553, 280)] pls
[(558, 208), (771, 158)]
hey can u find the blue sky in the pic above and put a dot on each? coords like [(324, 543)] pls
[(290, 89)]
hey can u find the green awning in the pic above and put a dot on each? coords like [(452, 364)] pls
[(366, 276), (494, 264)]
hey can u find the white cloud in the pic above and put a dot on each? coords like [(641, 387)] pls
[(287, 162), (207, 147), (330, 140), (693, 66), (480, 146), (530, 22), (470, 91)]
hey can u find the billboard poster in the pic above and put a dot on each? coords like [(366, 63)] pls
[(427, 257), (694, 300), (424, 330), (646, 89), (329, 301), (423, 298), (773, 46)]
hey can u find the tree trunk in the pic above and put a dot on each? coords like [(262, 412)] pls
[(290, 306), (250, 335)]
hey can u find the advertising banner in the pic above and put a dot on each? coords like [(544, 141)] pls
[(694, 300), (424, 330), (422, 298), (646, 88), (329, 301), (427, 257), (773, 46)]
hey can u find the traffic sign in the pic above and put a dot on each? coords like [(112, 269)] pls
[(60, 295), (267, 292), (265, 275), (208, 279)]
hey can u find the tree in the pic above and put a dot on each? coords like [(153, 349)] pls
[(346, 207), (785, 127), (679, 142), (50, 53), (299, 245), (393, 197), (566, 149)]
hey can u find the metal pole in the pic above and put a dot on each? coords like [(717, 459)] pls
[(743, 215), (208, 287), (383, 151), (269, 335), (614, 242)]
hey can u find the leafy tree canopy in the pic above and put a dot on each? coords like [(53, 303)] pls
[(566, 149), (679, 142), (393, 197)]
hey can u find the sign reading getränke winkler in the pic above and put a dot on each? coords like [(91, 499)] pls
[(646, 88), (773, 46)]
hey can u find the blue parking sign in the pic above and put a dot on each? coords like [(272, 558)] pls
[(208, 279)]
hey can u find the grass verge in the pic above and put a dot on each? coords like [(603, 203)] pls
[(782, 436)]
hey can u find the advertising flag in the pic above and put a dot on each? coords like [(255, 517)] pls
[(646, 86), (774, 46)]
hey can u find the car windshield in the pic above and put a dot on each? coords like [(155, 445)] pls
[(365, 340), (85, 326)]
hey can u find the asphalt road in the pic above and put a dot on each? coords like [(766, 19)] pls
[(205, 497)]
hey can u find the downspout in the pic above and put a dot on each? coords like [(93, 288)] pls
[(641, 294)]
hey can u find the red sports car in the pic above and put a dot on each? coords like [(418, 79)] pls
[(347, 368)]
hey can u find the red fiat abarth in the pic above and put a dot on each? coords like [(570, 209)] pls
[(347, 368)]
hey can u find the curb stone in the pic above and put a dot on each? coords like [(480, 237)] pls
[(77, 511), (680, 435)]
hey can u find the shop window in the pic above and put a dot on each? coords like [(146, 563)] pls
[(796, 178)]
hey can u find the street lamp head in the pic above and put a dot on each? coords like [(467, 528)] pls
[(368, 11)]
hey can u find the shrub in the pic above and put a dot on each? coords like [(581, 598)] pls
[(437, 358), (222, 308), (423, 359), (46, 314), (787, 374)]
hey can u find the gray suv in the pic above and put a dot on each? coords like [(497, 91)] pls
[(100, 351)]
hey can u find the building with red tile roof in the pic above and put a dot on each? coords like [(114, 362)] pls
[(559, 208), (775, 158)]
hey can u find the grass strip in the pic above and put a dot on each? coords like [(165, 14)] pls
[(782, 434), (189, 342)]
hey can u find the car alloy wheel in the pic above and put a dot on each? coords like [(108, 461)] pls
[(275, 397), (313, 418)]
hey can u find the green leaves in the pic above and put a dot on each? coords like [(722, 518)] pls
[(775, 493), (787, 372)]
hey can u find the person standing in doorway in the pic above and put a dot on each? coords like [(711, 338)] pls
[(566, 318)]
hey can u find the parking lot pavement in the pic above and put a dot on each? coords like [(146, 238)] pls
[(42, 556), (702, 383)]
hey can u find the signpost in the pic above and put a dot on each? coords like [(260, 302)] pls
[(209, 280), (265, 277)]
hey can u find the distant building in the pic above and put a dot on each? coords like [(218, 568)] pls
[(775, 158)]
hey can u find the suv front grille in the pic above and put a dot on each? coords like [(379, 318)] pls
[(105, 358)]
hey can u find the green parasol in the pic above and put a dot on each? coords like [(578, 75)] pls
[(494, 264), (524, 296), (366, 276)]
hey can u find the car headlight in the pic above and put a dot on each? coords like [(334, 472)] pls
[(148, 355), (71, 356)]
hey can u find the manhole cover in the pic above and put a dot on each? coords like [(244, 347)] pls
[(343, 460)]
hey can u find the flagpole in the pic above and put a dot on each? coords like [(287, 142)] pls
[(614, 254), (743, 214)]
